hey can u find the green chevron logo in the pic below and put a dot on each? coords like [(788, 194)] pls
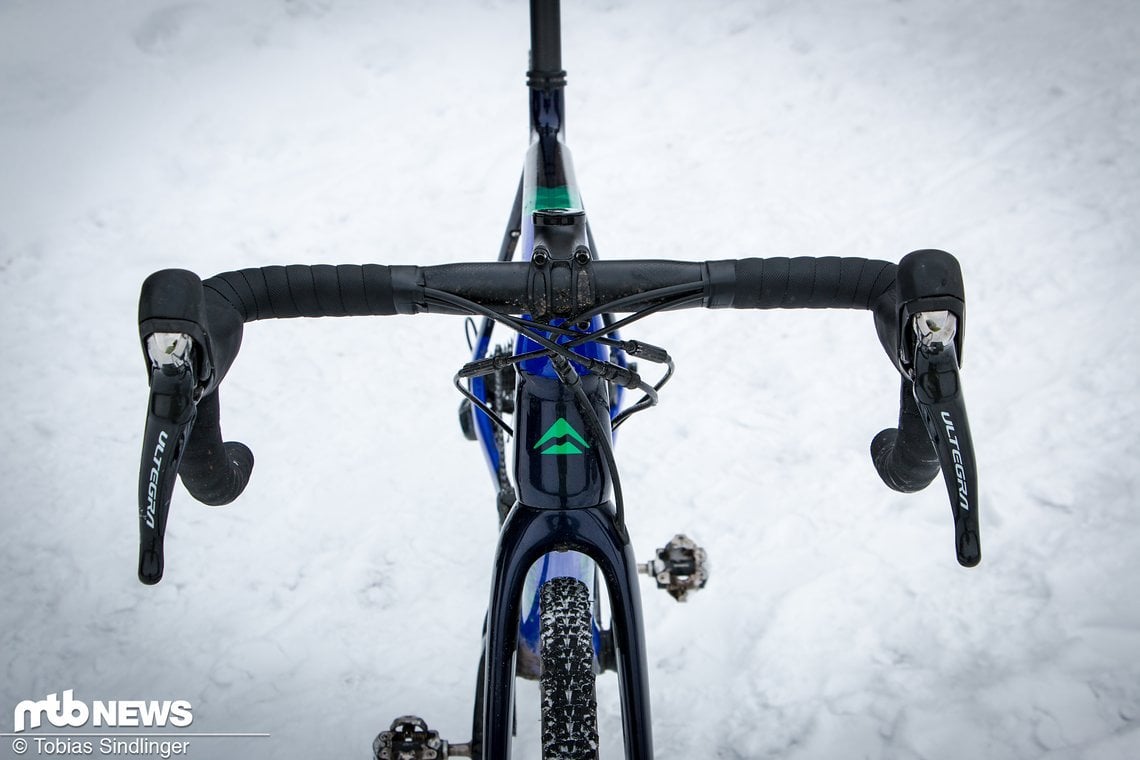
[(561, 429)]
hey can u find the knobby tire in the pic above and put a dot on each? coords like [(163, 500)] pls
[(569, 702)]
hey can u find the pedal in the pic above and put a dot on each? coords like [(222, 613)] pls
[(409, 738), (681, 567)]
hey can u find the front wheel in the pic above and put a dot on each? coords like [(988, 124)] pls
[(569, 702)]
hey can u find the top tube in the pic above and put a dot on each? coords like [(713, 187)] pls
[(549, 185)]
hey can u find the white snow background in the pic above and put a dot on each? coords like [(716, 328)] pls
[(347, 585)]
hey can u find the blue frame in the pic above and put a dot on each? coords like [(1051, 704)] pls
[(563, 522), (548, 185)]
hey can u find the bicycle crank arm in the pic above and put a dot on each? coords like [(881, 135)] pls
[(171, 411)]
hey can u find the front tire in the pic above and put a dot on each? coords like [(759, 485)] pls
[(569, 701)]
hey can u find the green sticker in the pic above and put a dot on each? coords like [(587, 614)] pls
[(562, 429), (561, 198)]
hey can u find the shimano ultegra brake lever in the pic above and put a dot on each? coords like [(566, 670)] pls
[(922, 330), (938, 392), (171, 410), (932, 307)]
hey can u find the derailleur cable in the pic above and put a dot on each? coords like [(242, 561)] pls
[(607, 370), (562, 354)]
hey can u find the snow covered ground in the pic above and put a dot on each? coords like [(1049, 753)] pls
[(347, 585)]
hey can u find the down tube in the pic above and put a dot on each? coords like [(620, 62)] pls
[(527, 534)]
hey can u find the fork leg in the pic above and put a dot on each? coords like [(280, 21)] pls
[(527, 534), (614, 556), (520, 544)]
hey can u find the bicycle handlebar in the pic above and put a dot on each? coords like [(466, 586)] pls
[(211, 314), (555, 288)]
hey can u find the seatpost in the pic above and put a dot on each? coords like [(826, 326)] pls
[(545, 78), (545, 40)]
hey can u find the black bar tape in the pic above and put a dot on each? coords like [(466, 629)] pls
[(324, 290), (320, 290), (214, 473), (376, 285), (904, 457), (351, 283), (327, 288), (720, 288), (828, 282)]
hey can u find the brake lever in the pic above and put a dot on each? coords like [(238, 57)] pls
[(922, 328), (938, 393), (171, 411)]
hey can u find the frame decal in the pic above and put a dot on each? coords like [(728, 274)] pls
[(561, 429)]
